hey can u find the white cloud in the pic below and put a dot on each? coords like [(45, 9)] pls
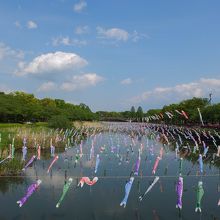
[(17, 24), (47, 86), (200, 88), (6, 51), (113, 33), (51, 63), (118, 34), (135, 36), (79, 82), (31, 25), (78, 7), (82, 30), (66, 41), (127, 81)]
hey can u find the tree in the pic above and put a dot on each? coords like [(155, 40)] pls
[(21, 107), (133, 114), (140, 113)]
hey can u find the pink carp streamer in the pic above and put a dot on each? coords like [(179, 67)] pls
[(31, 189), (185, 115), (87, 181), (29, 162), (156, 165), (54, 160), (219, 202), (38, 152)]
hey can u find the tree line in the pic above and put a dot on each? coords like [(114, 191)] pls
[(22, 107), (210, 113)]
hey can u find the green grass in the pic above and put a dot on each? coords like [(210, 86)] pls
[(9, 125), (11, 167)]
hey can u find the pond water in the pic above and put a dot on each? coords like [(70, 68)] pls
[(102, 200)]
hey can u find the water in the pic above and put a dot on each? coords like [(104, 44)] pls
[(102, 200)]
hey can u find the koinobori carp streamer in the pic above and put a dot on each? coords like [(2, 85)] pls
[(65, 190), (127, 191), (53, 161), (149, 188), (87, 181), (31, 189)]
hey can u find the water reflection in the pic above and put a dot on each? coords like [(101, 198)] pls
[(116, 166)]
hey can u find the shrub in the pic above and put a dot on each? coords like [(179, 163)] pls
[(59, 121)]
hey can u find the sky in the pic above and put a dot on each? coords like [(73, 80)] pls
[(111, 55)]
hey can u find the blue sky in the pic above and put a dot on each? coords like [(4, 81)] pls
[(113, 54)]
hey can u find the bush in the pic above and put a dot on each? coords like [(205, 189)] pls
[(59, 121)]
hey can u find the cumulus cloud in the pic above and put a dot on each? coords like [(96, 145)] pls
[(127, 81), (82, 30), (113, 33), (118, 34), (79, 82), (66, 41), (31, 25), (51, 63), (47, 86), (6, 51), (78, 7), (200, 88)]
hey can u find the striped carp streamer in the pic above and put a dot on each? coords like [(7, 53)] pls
[(24, 153), (8, 157), (156, 165), (127, 191), (91, 156), (65, 190), (97, 163), (200, 116), (137, 165), (149, 188), (31, 189), (54, 160), (200, 163), (29, 162), (206, 148), (13, 148), (52, 150), (199, 195), (179, 190), (87, 181)]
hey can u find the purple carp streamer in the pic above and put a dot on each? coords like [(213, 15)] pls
[(29, 162), (31, 189), (179, 190)]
